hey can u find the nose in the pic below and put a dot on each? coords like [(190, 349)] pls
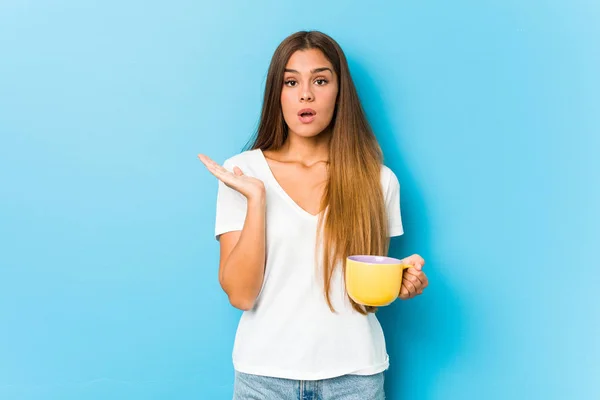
[(306, 95)]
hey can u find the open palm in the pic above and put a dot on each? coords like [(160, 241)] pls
[(248, 186)]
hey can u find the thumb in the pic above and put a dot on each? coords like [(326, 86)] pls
[(237, 171), (414, 261)]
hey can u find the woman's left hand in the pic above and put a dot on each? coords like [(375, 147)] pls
[(413, 279)]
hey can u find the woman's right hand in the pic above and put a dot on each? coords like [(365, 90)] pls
[(251, 188)]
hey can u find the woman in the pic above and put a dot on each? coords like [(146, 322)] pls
[(311, 191)]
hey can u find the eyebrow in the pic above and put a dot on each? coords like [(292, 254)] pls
[(314, 71)]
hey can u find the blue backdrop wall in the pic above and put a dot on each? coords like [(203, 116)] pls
[(487, 111)]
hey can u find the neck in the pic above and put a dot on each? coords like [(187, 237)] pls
[(306, 150)]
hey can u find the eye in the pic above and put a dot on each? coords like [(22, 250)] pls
[(324, 82), (289, 82)]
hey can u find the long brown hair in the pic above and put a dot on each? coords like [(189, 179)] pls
[(355, 219)]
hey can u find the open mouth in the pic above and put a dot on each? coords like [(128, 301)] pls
[(307, 112), (306, 118), (306, 115)]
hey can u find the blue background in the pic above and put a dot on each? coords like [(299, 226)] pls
[(488, 112)]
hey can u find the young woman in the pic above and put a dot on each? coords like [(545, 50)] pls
[(311, 191)]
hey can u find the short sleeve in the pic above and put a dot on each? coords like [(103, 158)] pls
[(392, 204), (231, 208)]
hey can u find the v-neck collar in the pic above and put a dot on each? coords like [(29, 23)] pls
[(281, 190)]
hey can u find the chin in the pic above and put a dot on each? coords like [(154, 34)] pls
[(307, 131)]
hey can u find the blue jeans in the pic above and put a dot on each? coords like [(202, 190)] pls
[(346, 387)]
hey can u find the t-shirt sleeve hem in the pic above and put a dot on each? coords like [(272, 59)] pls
[(227, 229), (396, 230)]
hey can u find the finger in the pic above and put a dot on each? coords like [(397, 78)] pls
[(210, 164), (217, 170), (206, 160), (425, 281), (412, 292), (237, 171), (416, 276), (415, 260), (409, 285), (404, 293), (421, 260)]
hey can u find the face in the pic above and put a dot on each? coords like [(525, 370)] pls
[(309, 93)]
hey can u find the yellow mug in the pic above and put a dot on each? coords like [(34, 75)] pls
[(374, 280)]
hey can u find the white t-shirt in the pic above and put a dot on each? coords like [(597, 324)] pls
[(291, 332)]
